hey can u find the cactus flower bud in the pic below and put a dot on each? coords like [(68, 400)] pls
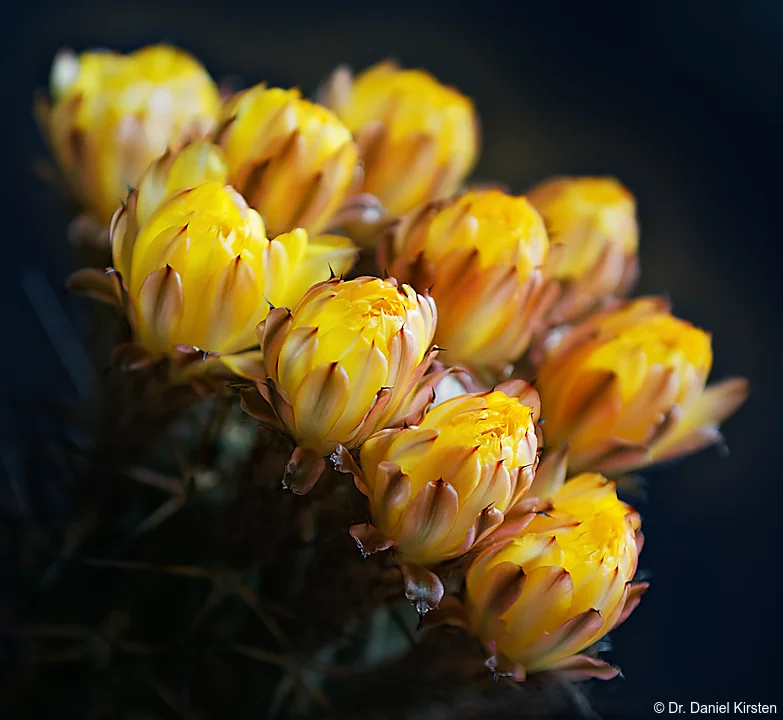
[(539, 599), (594, 239), (342, 364), (418, 139), (193, 267), (437, 489), (292, 160), (110, 115), (627, 388), (481, 254)]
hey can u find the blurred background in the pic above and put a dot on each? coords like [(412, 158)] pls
[(681, 100)]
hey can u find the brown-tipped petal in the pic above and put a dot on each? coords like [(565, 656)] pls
[(422, 587), (635, 592), (544, 588), (393, 487), (487, 522), (254, 405), (505, 586), (515, 520), (365, 217), (550, 474), (501, 666), (278, 400), (450, 611), (572, 636), (369, 539), (96, 284), (344, 462), (271, 333), (302, 471), (424, 365), (431, 514), (613, 455), (417, 406), (582, 667), (371, 420), (160, 303)]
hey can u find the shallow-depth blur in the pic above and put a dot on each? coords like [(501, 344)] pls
[(681, 102)]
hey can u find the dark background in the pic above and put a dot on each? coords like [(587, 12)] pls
[(680, 100)]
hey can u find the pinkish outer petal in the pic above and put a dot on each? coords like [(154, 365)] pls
[(515, 520), (635, 593), (254, 405), (550, 474), (344, 462), (487, 522), (613, 455), (418, 396), (271, 332), (160, 303), (97, 284), (699, 439), (582, 667), (302, 471), (369, 424), (723, 398), (278, 400), (698, 428), (431, 514), (422, 587), (501, 666), (505, 585), (419, 401), (369, 539), (573, 635)]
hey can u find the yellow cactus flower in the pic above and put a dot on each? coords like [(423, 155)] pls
[(438, 489), (418, 139), (594, 239), (481, 255), (345, 362), (195, 263), (293, 160), (539, 599), (111, 115), (627, 388)]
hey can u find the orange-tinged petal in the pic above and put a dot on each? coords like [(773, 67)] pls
[(626, 388)]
